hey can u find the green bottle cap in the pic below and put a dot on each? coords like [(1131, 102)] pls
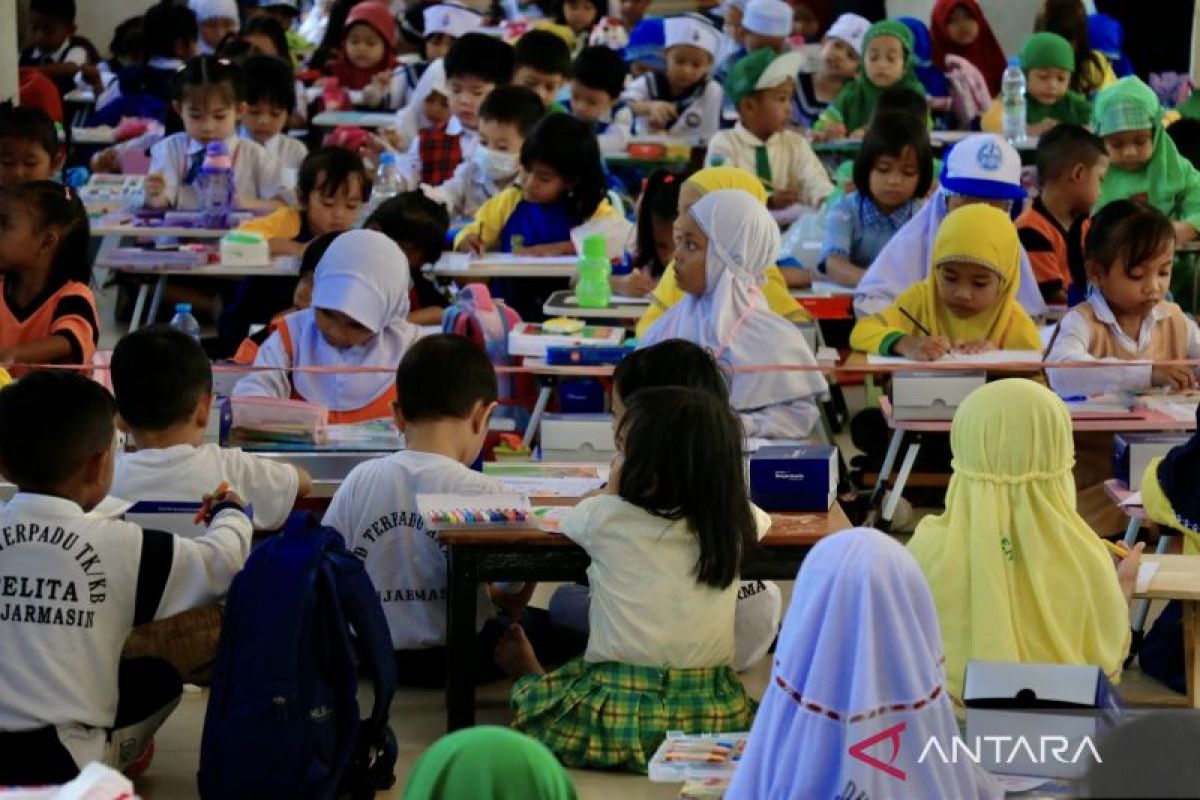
[(594, 246)]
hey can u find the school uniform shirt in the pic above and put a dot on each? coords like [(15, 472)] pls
[(785, 161), (857, 229), (468, 189), (72, 587), (73, 50), (612, 132), (288, 151), (1090, 332), (68, 311), (187, 473), (1055, 252), (699, 109), (154, 77), (492, 222), (647, 608), (411, 168), (256, 173), (807, 108), (375, 509)]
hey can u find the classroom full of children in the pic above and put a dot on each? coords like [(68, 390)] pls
[(755, 399)]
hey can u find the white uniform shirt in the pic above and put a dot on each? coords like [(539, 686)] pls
[(700, 117), (256, 173), (794, 165), (469, 189), (375, 509), (289, 152)]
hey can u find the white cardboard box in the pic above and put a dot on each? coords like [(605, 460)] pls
[(932, 394), (578, 437)]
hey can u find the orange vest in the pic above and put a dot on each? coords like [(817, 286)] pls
[(379, 408)]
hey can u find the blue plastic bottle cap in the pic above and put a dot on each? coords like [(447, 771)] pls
[(1014, 61), (183, 308)]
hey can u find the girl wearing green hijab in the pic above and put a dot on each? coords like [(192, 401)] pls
[(887, 63), (1049, 63), (1143, 162), (488, 763)]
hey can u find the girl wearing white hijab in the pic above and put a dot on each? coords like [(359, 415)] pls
[(723, 247), (358, 318), (859, 655)]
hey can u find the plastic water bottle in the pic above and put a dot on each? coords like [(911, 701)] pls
[(215, 185), (593, 289), (1012, 99), (184, 321), (388, 182)]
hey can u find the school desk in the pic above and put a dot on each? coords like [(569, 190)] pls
[(940, 140), (354, 119), (1178, 578), (826, 300), (1118, 492), (529, 554), (468, 267), (564, 304)]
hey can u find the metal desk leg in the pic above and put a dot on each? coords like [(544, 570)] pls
[(159, 287), (1131, 532), (910, 458), (539, 408), (139, 305), (889, 461), (460, 638)]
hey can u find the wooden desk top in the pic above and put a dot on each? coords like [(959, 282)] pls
[(1178, 578)]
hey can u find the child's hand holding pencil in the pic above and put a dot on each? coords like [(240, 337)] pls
[(222, 494), (1129, 562)]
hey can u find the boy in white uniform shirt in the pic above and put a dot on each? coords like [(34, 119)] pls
[(683, 100), (163, 382), (73, 586)]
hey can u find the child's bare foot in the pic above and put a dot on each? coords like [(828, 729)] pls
[(515, 654)]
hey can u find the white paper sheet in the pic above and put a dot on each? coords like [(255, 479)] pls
[(990, 357)]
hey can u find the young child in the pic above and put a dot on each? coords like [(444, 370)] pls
[(1130, 248), (1144, 163), (1049, 64), (681, 100), (765, 23), (447, 393), (264, 36), (1071, 20), (218, 20), (56, 51), (665, 544), (208, 95), (1010, 524), (723, 247), (858, 594), (562, 188), (968, 301), (270, 98), (597, 80), (887, 63), (48, 314), (29, 148), (358, 318), (488, 761), (893, 171), (97, 578), (368, 57), (442, 25), (418, 225), (147, 88), (163, 384), (1071, 164), (654, 245), (580, 16), (541, 62), (960, 28), (632, 13), (841, 57)]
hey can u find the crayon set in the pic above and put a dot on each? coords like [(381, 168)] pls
[(476, 516), (499, 510)]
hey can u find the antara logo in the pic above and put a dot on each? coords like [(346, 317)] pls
[(891, 735)]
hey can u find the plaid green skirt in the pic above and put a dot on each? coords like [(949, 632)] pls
[(613, 715)]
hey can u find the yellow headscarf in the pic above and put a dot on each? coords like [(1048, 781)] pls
[(979, 234), (714, 179), (1016, 573)]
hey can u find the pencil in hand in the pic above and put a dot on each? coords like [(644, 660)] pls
[(211, 500)]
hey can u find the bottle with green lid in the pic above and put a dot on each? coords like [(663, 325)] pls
[(593, 290)]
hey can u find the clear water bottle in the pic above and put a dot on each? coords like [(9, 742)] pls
[(388, 182), (215, 185), (1012, 99), (593, 289), (184, 321)]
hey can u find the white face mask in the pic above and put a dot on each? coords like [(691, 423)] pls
[(498, 166)]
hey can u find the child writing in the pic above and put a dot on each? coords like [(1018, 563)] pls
[(666, 544), (418, 225), (841, 55), (29, 148), (654, 245), (1048, 63), (1010, 524), (723, 247), (893, 170), (209, 96), (270, 98), (597, 80), (968, 301), (1130, 248), (887, 62), (541, 62), (761, 86), (960, 28), (48, 314), (358, 318), (1144, 163), (682, 99), (1071, 164)]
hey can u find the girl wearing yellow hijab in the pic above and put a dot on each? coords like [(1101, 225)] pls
[(667, 293), (967, 302), (1016, 573)]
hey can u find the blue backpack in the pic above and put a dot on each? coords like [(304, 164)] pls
[(283, 718)]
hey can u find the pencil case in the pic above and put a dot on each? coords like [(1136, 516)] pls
[(268, 419)]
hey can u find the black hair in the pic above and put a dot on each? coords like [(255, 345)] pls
[(888, 135), (443, 377), (269, 80), (1129, 231), (480, 56), (327, 170), (159, 375), (59, 206), (51, 423), (29, 124), (560, 11), (682, 452), (568, 146), (1185, 133), (1068, 18), (127, 40), (412, 218), (412, 26), (897, 98), (268, 26), (1064, 146), (209, 73), (543, 51), (61, 10), (659, 203), (600, 68), (164, 26), (315, 251), (673, 362), (515, 105)]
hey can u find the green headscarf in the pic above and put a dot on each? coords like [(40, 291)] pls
[(855, 104), (1169, 181), (1047, 49), (488, 763)]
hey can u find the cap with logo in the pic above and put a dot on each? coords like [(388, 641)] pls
[(450, 19), (691, 31), (984, 165), (850, 28), (768, 18)]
